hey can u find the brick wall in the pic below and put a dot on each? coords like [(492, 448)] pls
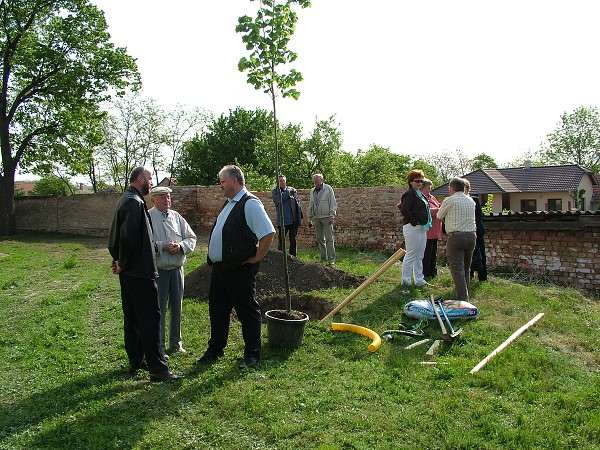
[(563, 247)]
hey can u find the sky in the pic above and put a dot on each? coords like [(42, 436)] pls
[(417, 77)]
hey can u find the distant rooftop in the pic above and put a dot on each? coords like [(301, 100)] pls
[(524, 179)]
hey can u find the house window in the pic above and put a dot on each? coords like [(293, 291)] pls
[(555, 204), (528, 205)]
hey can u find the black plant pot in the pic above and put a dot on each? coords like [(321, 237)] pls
[(285, 330)]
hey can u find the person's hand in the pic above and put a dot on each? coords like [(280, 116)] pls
[(330, 221), (116, 269), (172, 247)]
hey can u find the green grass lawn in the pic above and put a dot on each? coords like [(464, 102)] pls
[(64, 382)]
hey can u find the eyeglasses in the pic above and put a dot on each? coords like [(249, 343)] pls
[(417, 181)]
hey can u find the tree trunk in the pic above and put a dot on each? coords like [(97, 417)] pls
[(8, 225)]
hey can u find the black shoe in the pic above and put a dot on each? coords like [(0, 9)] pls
[(165, 376), (208, 357), (133, 370), (248, 361)]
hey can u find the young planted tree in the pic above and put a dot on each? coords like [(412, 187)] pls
[(56, 66), (267, 37)]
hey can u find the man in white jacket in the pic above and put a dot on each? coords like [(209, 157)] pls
[(174, 239), (321, 213)]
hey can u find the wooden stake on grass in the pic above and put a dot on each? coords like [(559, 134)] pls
[(392, 259), (506, 343), (416, 344)]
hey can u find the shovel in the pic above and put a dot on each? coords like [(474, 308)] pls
[(447, 337), (453, 334)]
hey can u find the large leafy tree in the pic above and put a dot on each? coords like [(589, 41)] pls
[(483, 161), (57, 64), (323, 150), (181, 124), (576, 140), (133, 136), (233, 138), (378, 166), (52, 185)]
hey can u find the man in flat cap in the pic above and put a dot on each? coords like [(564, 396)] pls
[(174, 239)]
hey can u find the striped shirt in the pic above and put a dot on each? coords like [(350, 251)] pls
[(458, 212)]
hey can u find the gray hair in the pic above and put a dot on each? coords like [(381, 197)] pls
[(233, 172), (426, 183), (458, 184)]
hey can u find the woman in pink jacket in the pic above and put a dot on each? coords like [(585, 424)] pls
[(433, 234)]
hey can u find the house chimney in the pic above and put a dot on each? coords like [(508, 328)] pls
[(527, 164)]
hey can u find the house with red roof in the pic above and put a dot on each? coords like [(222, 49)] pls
[(529, 188), (25, 186)]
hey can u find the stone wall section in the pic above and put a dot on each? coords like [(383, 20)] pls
[(562, 247)]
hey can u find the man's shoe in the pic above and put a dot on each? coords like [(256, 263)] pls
[(133, 370), (425, 284), (165, 356), (248, 361), (165, 376), (208, 357), (181, 350)]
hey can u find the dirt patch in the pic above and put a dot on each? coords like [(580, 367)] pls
[(270, 285), (315, 307)]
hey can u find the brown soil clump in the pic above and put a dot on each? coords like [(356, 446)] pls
[(270, 284)]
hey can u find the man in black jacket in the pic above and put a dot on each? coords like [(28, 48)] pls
[(132, 248)]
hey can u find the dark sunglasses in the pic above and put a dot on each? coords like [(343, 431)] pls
[(418, 181)]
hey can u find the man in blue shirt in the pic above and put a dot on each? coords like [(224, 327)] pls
[(241, 237), (292, 213)]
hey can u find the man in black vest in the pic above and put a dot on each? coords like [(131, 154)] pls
[(132, 248), (241, 237)]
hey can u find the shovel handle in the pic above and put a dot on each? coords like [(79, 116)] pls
[(437, 314), (446, 317)]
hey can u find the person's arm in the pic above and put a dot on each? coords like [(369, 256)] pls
[(275, 196), (407, 206), (332, 206), (188, 243), (158, 232), (443, 209), (264, 244), (309, 213), (130, 236), (434, 206)]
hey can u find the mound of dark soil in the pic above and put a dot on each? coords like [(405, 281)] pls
[(270, 281)]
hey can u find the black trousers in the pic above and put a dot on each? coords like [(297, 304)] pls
[(141, 322), (430, 258), (292, 231), (482, 268), (234, 288)]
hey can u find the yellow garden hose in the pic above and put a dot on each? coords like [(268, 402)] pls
[(373, 346)]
